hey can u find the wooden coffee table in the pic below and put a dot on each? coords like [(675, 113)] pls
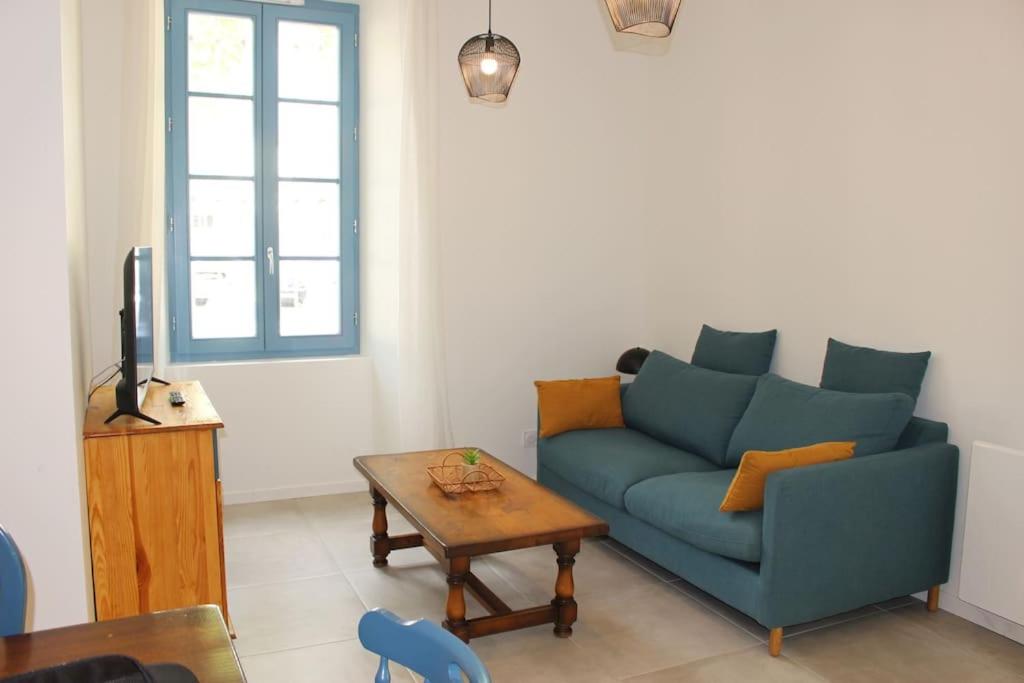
[(455, 528)]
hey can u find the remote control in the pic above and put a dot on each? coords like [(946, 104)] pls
[(177, 399)]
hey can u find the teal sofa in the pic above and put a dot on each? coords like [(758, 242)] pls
[(831, 537)]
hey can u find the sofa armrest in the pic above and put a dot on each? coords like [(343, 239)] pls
[(841, 535)]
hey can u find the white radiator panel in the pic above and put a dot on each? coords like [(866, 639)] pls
[(992, 569)]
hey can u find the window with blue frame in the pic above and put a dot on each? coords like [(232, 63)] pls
[(262, 179)]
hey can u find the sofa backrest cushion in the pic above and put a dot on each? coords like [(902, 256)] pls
[(784, 414), (688, 407), (869, 371), (743, 353)]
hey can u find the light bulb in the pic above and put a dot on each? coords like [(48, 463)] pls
[(489, 65)]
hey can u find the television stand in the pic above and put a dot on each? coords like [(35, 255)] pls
[(138, 413), (131, 413), (155, 504)]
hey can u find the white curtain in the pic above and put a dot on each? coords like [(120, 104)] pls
[(424, 421), (140, 220)]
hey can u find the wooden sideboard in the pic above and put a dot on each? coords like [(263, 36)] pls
[(155, 504)]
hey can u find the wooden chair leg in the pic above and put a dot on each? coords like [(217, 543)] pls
[(933, 599), (775, 642)]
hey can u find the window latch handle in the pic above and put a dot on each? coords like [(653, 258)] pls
[(270, 260)]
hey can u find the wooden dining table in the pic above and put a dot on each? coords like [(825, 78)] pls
[(194, 637)]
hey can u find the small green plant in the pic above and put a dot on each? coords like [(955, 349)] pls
[(471, 456)]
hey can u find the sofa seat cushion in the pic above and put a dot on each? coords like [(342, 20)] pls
[(686, 506), (606, 462)]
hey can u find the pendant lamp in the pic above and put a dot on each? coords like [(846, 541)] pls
[(489, 63), (653, 18)]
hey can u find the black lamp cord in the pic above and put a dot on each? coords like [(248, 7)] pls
[(104, 371), (489, 11), (104, 382)]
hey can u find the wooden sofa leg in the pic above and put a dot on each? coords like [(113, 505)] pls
[(775, 642), (933, 599)]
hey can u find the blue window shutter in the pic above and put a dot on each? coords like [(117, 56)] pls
[(268, 342)]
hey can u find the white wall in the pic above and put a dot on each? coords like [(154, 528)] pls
[(102, 46), (291, 427), (74, 193), (78, 266), (851, 170), (544, 213), (41, 497)]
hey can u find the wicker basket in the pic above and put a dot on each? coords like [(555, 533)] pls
[(452, 478)]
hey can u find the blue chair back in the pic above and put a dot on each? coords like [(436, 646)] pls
[(424, 647), (13, 587)]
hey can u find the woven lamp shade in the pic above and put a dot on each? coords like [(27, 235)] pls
[(653, 18), (489, 64)]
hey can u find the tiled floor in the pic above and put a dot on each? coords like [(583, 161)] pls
[(299, 577)]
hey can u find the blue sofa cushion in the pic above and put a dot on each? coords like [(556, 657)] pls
[(744, 353), (868, 371), (606, 462), (785, 414), (686, 506), (691, 408)]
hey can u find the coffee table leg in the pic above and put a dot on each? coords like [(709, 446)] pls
[(380, 544), (564, 604), (455, 609)]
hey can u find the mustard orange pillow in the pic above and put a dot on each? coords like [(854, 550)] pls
[(579, 404), (747, 489)]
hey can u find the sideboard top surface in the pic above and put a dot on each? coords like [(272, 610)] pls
[(197, 413)]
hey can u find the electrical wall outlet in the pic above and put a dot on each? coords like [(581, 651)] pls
[(529, 438)]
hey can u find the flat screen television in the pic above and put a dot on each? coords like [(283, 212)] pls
[(137, 333)]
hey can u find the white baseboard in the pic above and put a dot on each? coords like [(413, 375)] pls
[(286, 492), (993, 622)]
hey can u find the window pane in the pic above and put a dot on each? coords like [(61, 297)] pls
[(222, 217), (309, 219), (308, 144), (220, 54), (223, 299), (220, 136), (310, 298), (307, 61)]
